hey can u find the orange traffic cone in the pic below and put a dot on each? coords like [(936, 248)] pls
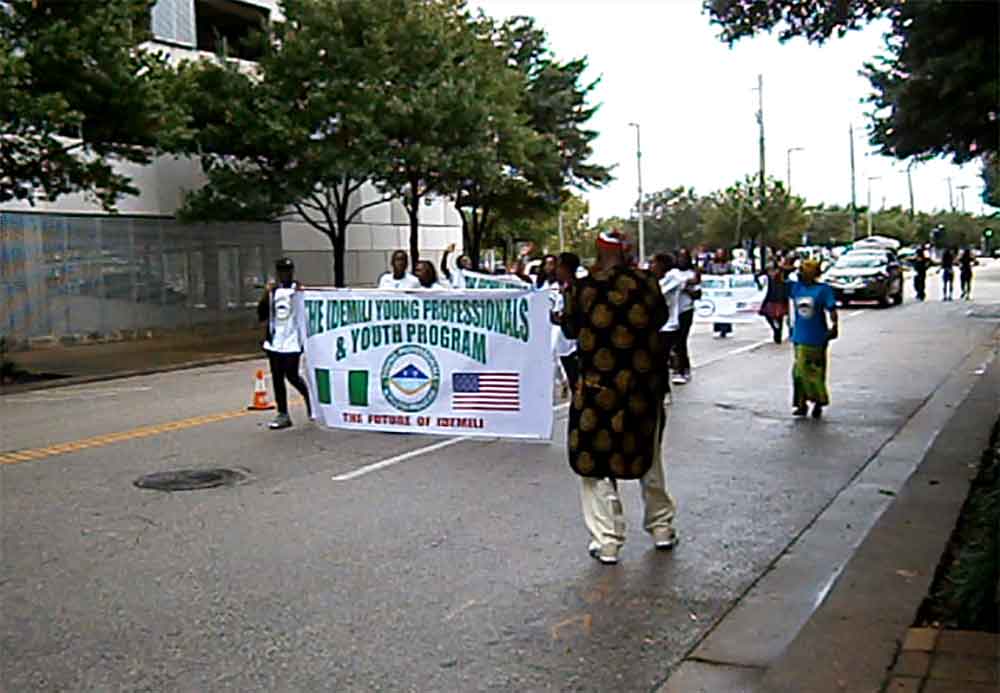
[(260, 401)]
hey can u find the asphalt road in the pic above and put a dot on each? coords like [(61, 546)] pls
[(463, 568)]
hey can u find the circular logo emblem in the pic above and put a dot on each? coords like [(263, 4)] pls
[(705, 308), (411, 378)]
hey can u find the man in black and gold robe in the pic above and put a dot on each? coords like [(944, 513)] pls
[(617, 416)]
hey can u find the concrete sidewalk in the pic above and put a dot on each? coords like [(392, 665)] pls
[(85, 363), (854, 623)]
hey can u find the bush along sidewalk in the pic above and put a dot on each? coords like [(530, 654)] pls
[(965, 594)]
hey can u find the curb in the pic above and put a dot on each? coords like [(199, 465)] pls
[(861, 623), (119, 375)]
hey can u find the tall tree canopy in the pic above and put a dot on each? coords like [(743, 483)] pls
[(77, 93), (935, 89)]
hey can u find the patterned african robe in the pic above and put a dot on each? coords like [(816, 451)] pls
[(617, 410)]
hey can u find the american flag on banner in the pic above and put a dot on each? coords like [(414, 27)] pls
[(486, 391)]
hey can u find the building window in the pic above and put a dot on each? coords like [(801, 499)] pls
[(230, 28), (173, 22)]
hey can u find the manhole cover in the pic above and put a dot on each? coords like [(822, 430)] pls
[(190, 479)]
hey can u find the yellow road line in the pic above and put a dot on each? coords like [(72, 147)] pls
[(33, 454)]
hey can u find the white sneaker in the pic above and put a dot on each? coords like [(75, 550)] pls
[(605, 553), (680, 379), (665, 538)]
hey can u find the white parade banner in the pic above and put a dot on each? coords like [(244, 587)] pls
[(480, 280), (470, 362), (730, 298)]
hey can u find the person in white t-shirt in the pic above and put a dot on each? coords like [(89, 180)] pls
[(679, 284), (285, 342), (427, 276), (453, 270), (399, 277)]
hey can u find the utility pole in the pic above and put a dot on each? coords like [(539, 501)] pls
[(961, 195), (870, 179), (909, 184), (951, 196), (763, 183), (638, 165), (854, 203)]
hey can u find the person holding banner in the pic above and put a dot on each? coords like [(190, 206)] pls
[(565, 349), (399, 277), (285, 341), (454, 270), (774, 309), (617, 418), (427, 276), (811, 335)]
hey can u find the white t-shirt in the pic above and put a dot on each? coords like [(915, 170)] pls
[(284, 326), (678, 300), (408, 281), (561, 345)]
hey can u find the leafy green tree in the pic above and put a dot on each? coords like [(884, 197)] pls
[(828, 225), (543, 152), (991, 179), (738, 216), (77, 94), (934, 90), (674, 218), (298, 134)]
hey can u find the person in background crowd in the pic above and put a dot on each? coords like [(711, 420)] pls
[(813, 302), (399, 277), (454, 272), (719, 264), (284, 342), (427, 276), (920, 265), (965, 264), (564, 348), (681, 318), (947, 275), (775, 305), (546, 278), (617, 417)]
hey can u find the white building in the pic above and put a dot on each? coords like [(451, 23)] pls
[(193, 28)]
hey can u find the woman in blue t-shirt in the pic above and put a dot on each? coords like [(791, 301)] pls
[(813, 301)]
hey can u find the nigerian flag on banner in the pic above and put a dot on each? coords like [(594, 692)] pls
[(356, 387)]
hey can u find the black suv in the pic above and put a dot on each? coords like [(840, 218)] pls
[(867, 275)]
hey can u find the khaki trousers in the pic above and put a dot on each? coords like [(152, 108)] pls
[(602, 507)]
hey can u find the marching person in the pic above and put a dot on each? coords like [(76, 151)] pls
[(564, 348), (284, 342), (427, 276), (775, 305), (811, 334), (920, 265), (947, 275), (617, 417), (965, 264), (453, 271), (719, 264), (399, 277), (680, 302)]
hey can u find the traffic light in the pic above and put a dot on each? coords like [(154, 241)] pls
[(987, 233)]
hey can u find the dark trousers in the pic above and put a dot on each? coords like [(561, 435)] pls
[(920, 285), (286, 367), (966, 284), (677, 343), (571, 364)]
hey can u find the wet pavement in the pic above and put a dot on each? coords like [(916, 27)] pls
[(460, 569)]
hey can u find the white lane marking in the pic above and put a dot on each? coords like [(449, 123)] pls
[(855, 313), (733, 352), (374, 467)]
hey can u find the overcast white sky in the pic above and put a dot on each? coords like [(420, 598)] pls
[(663, 67)]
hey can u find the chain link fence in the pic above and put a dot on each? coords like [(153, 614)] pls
[(94, 278)]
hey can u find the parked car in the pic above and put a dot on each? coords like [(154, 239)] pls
[(866, 275)]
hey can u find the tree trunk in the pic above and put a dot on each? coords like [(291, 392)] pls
[(339, 251), (413, 210)]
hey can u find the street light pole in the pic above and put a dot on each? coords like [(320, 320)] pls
[(951, 196), (638, 165), (870, 179), (909, 184), (854, 203), (763, 184), (961, 195), (788, 155)]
